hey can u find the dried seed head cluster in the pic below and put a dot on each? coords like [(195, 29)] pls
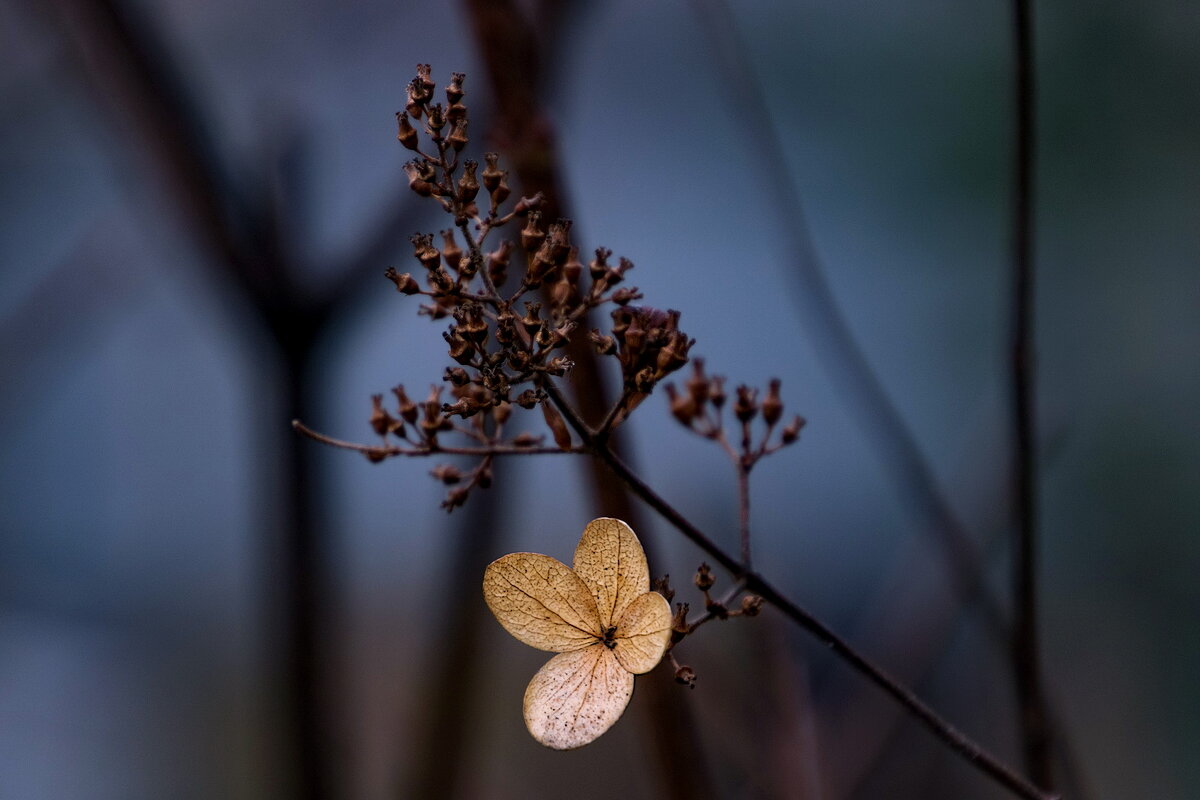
[(714, 608), (505, 345), (700, 406)]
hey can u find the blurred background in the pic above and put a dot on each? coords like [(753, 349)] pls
[(199, 202)]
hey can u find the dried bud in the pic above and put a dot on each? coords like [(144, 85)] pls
[(559, 238), (679, 624), (456, 498), (425, 79), (526, 440), (519, 360), (683, 407), (483, 477), (454, 92), (599, 265), (461, 350), (527, 204), (745, 408), (554, 420), (405, 283), (440, 282), (408, 409), (540, 267), (415, 181), (751, 605), (624, 296), (561, 335), (686, 675), (491, 171), (573, 268), (502, 412), (506, 328), (447, 474), (527, 399), (561, 294), (772, 404), (457, 376), (697, 385), (420, 90), (431, 419), (471, 323), (468, 184), (716, 391), (704, 579), (615, 275), (532, 235), (375, 454), (424, 250), (634, 336), (381, 421), (531, 321), (663, 586), (434, 311), (406, 133), (792, 432), (497, 263), (643, 380), (605, 345), (451, 252), (435, 120), (559, 366), (621, 317)]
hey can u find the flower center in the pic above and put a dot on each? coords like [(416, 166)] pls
[(610, 637)]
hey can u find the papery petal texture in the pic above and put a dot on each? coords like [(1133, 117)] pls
[(576, 696), (610, 560), (539, 600), (643, 631)]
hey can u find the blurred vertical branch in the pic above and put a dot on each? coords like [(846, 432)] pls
[(510, 51), (1026, 654), (848, 366), (241, 230), (839, 352), (443, 733)]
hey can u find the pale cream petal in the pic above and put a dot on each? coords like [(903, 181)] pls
[(540, 601), (643, 632), (576, 696), (610, 560)]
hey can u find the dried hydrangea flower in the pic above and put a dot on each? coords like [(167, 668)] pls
[(600, 617)]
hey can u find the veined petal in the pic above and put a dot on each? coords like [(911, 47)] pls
[(610, 560), (643, 632), (539, 600), (577, 696)]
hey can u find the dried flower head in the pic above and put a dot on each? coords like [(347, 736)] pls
[(599, 616)]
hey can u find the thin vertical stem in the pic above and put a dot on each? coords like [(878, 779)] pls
[(743, 473), (1026, 655)]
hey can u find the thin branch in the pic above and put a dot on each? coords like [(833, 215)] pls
[(387, 451), (1035, 729), (743, 484), (966, 747)]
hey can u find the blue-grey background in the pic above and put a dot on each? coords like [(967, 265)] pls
[(142, 418)]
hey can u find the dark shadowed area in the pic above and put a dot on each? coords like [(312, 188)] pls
[(199, 203)]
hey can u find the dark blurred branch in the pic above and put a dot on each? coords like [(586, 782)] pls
[(455, 665), (836, 347), (51, 322), (509, 47), (243, 230), (1035, 729)]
